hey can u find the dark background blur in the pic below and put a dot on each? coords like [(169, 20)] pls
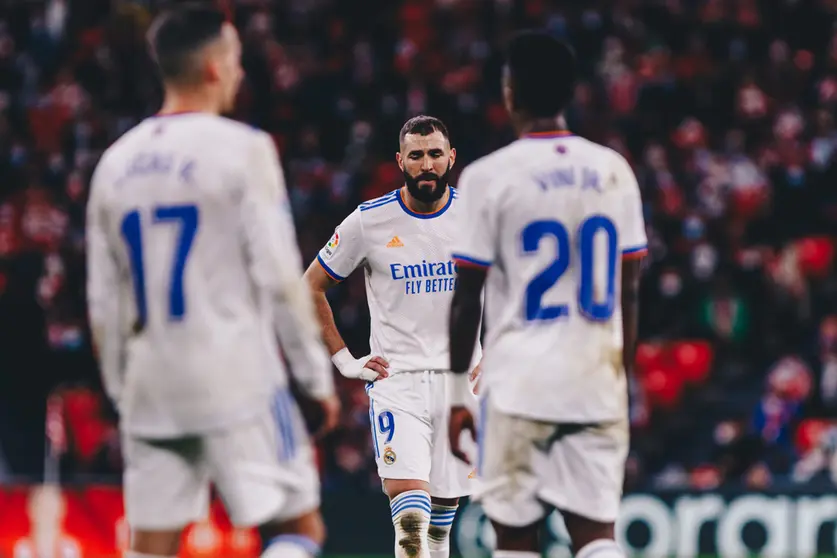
[(725, 108)]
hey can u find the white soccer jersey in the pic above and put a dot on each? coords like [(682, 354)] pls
[(193, 268), (552, 215), (410, 277)]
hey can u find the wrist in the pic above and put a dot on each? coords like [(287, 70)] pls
[(460, 390), (342, 359)]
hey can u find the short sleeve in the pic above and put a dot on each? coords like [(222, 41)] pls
[(475, 245), (345, 250), (628, 212)]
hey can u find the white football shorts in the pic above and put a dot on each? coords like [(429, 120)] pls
[(527, 467), (409, 414), (263, 469)]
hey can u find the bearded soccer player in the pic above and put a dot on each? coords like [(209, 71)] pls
[(553, 227), (193, 273), (401, 241)]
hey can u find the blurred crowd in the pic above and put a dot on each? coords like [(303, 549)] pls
[(725, 109)]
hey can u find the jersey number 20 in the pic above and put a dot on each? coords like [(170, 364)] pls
[(542, 282), (186, 216)]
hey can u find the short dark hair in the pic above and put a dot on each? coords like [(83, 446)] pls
[(542, 70), (178, 33), (424, 126)]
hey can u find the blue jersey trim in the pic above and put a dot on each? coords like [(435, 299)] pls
[(433, 215), (329, 271), (467, 260), (378, 202), (635, 249)]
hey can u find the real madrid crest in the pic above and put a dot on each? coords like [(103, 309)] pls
[(389, 456)]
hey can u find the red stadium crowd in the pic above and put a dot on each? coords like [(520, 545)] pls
[(725, 108)]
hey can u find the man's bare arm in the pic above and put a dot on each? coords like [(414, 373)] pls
[(465, 314), (631, 269), (320, 282)]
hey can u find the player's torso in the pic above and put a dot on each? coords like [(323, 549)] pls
[(171, 213), (410, 280), (172, 217), (552, 298)]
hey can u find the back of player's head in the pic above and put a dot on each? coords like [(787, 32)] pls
[(423, 126), (177, 36), (542, 73)]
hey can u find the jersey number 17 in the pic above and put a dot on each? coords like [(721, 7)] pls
[(186, 216)]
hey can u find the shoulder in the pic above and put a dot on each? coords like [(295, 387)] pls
[(380, 211), (377, 203), (496, 165)]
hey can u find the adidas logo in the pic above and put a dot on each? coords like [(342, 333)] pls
[(395, 243)]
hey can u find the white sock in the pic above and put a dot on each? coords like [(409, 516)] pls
[(601, 548), (411, 519), (515, 554), (438, 535), (291, 546), (134, 554)]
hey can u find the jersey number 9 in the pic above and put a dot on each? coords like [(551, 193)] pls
[(534, 309), (186, 216)]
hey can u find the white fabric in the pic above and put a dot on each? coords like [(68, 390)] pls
[(264, 469), (194, 206), (527, 467), (410, 277), (550, 218), (409, 414), (438, 534), (352, 367), (411, 519), (602, 548)]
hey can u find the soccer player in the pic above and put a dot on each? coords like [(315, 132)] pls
[(401, 241), (193, 270), (553, 227)]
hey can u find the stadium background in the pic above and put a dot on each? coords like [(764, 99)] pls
[(725, 108)]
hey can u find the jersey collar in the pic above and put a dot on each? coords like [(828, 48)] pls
[(549, 135), (418, 215)]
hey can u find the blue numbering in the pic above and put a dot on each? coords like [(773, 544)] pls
[(531, 237), (187, 217)]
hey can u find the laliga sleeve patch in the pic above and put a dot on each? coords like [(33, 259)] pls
[(331, 246)]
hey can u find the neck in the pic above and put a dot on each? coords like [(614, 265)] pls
[(537, 125), (189, 100), (424, 207)]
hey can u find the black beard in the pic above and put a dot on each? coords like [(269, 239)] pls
[(423, 194)]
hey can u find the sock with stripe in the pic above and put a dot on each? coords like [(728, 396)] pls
[(438, 535), (515, 554), (601, 548), (291, 546), (411, 519)]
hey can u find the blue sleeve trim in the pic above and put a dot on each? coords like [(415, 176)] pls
[(331, 273), (635, 249), (467, 260)]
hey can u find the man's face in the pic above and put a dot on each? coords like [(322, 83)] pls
[(227, 62), (426, 162)]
